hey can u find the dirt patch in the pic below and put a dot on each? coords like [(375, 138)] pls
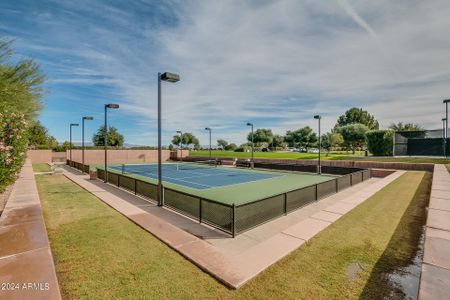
[(4, 197)]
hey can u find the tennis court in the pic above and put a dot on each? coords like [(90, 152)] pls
[(224, 184), (203, 175)]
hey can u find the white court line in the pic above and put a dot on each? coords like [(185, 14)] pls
[(204, 175)]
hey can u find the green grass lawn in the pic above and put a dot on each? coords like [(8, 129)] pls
[(341, 155), (41, 168), (101, 254)]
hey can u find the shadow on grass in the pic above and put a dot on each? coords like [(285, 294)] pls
[(402, 251)]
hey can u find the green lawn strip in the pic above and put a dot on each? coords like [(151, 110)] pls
[(41, 168), (333, 156), (247, 191), (100, 254)]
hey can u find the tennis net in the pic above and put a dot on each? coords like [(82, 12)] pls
[(194, 165)]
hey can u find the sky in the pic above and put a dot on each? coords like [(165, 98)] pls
[(272, 63)]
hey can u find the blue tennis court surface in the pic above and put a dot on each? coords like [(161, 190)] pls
[(195, 176)]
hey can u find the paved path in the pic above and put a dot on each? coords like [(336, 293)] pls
[(435, 278), (232, 261), (26, 261)]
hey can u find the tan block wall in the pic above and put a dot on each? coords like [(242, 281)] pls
[(40, 156), (59, 156), (118, 156)]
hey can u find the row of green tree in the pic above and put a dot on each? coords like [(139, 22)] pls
[(39, 138), (355, 130)]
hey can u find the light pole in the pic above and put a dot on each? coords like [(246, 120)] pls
[(251, 124), (209, 129), (105, 137), (444, 141), (446, 101), (169, 77), (318, 117), (181, 143), (70, 143), (82, 137)]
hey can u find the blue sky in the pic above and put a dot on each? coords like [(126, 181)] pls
[(273, 63)]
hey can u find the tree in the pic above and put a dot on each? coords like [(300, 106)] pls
[(37, 134), (304, 137), (52, 142), (336, 139), (114, 139), (261, 135), (231, 147), (354, 135), (222, 143), (66, 145), (278, 141), (188, 139), (20, 82), (357, 115), (331, 140), (400, 126)]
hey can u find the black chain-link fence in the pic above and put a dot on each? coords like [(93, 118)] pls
[(236, 219)]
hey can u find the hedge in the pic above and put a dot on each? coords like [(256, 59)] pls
[(379, 142), (13, 144)]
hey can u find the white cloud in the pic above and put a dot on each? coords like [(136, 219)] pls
[(276, 63)]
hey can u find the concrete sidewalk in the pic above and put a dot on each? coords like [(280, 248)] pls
[(26, 262), (233, 261), (435, 278)]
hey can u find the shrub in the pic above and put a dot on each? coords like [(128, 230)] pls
[(13, 144), (379, 142)]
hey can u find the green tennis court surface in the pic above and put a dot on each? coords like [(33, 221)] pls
[(214, 183)]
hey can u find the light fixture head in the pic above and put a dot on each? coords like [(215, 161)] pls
[(178, 131), (444, 119), (74, 124), (170, 77), (112, 106), (207, 128), (317, 117), (249, 124), (88, 118), (446, 101)]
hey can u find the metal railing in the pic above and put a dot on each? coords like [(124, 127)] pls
[(230, 218)]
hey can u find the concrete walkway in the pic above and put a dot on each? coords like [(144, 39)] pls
[(435, 278), (233, 261), (26, 263)]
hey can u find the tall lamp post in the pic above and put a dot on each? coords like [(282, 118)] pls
[(444, 141), (251, 124), (105, 137), (446, 101), (169, 77), (70, 143), (319, 170), (209, 129), (82, 137), (181, 143)]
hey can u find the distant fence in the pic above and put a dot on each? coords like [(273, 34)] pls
[(334, 163), (234, 219)]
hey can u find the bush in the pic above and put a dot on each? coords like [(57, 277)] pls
[(379, 142), (13, 144)]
